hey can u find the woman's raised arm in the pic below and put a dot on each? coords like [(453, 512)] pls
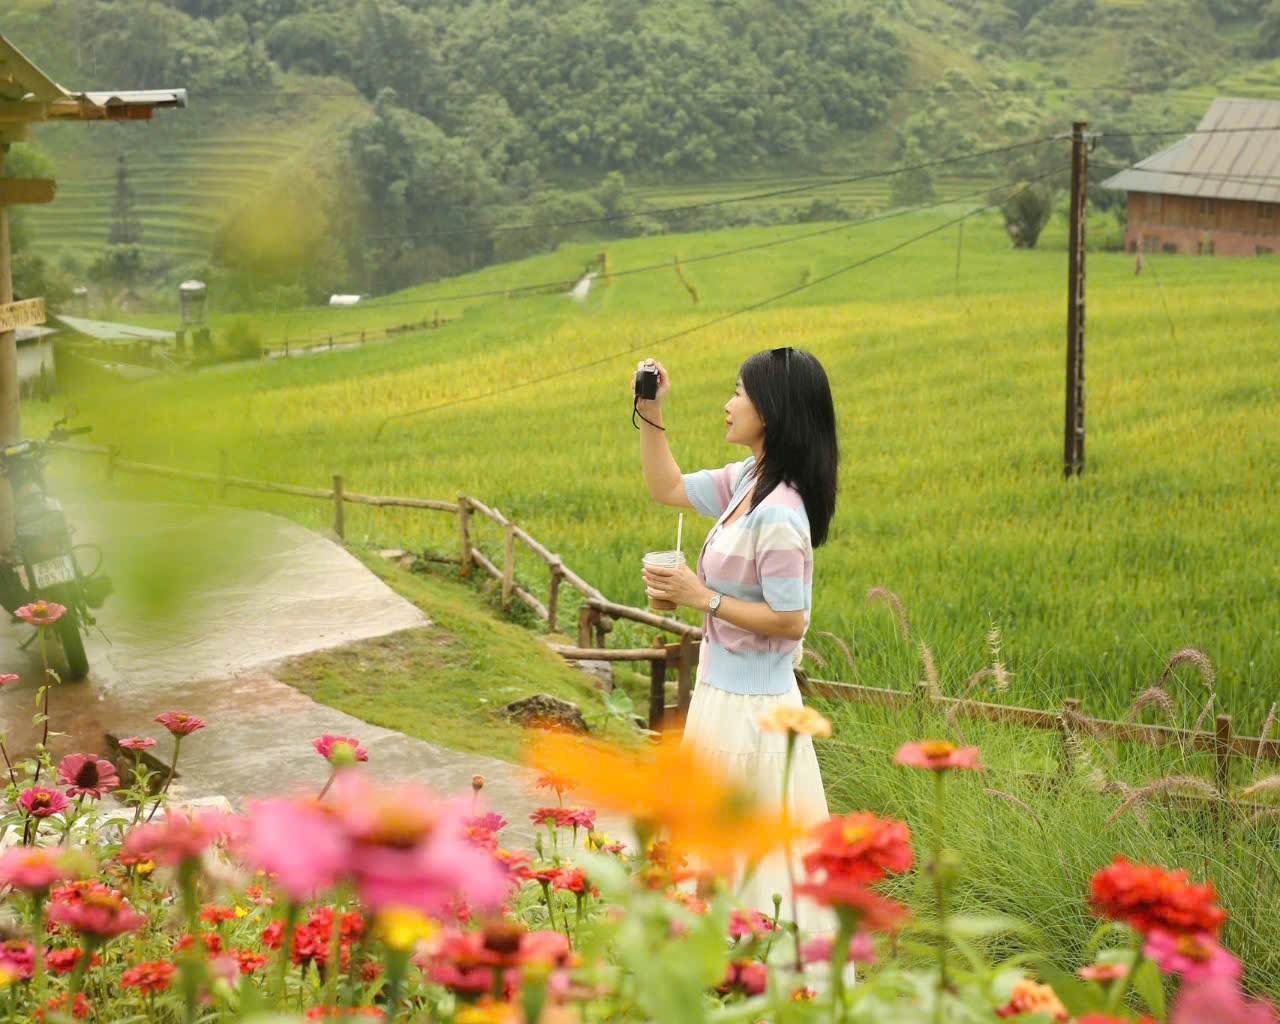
[(661, 474)]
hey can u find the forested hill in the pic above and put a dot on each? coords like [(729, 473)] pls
[(403, 121)]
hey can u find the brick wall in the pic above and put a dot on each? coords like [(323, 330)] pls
[(1224, 227)]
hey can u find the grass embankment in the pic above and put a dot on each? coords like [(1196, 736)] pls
[(444, 682), (949, 394)]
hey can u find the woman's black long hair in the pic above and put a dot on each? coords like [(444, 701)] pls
[(789, 389)]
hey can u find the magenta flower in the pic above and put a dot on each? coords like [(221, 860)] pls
[(87, 775), (1197, 957), (18, 958), (41, 613), (749, 924), (40, 802), (937, 756), (33, 868), (99, 911), (862, 949), (549, 816), (1221, 1001), (581, 818), (409, 849), (138, 742), (179, 723), (298, 842), (488, 822), (8, 677), (181, 836), (326, 744)]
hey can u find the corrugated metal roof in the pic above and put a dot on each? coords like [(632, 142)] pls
[(105, 331), (1229, 161)]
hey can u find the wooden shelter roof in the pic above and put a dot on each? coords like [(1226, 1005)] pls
[(28, 95), (1236, 155)]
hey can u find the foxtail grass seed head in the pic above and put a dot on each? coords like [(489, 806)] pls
[(1191, 656), (1152, 696), (896, 606), (1174, 785)]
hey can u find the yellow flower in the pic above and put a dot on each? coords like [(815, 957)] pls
[(403, 929), (241, 912), (669, 786), (487, 1012), (802, 721), (6, 979), (145, 867)]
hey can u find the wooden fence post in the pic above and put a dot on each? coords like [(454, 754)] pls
[(689, 653), (464, 527), (1070, 709), (657, 688), (1222, 751), (604, 626), (339, 522), (553, 595), (509, 564), (586, 616)]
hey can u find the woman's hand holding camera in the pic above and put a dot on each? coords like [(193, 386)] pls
[(664, 381), (678, 584)]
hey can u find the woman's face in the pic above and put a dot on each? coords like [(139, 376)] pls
[(743, 424)]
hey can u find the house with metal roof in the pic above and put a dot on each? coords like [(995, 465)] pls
[(1217, 191)]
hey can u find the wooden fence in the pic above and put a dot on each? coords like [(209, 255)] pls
[(597, 616), (320, 342)]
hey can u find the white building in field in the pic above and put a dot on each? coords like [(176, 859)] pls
[(35, 359)]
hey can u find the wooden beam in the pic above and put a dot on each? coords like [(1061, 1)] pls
[(27, 313), (23, 191)]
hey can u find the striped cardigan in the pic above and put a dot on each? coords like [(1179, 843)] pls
[(765, 556)]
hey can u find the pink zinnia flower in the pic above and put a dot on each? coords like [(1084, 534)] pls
[(326, 744), (937, 756), (180, 836), (41, 613), (1221, 1001), (8, 677), (1104, 972), (18, 958), (33, 868), (137, 742), (410, 849), (97, 910), (748, 924), (747, 976), (179, 723), (40, 802), (87, 775), (298, 842), (549, 816), (581, 818), (862, 949), (1197, 957)]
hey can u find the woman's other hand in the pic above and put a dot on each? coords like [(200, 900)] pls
[(664, 380), (677, 584)]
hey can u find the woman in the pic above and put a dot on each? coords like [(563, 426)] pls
[(754, 578)]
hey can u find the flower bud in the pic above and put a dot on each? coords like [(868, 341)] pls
[(477, 782), (343, 755)]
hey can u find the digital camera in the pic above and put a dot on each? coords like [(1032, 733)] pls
[(647, 383)]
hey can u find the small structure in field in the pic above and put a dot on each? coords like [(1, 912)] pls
[(1217, 191), (36, 371)]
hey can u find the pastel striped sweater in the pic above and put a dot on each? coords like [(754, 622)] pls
[(765, 556)]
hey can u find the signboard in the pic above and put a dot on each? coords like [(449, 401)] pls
[(15, 191), (27, 313)]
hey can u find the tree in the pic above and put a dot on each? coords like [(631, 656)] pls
[(1268, 44), (122, 260), (1029, 198), (911, 188)]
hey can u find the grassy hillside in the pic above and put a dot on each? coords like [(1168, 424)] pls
[(949, 393)]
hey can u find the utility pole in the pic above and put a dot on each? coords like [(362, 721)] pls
[(1073, 436), (10, 423)]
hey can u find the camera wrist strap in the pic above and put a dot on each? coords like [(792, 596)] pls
[(635, 411)]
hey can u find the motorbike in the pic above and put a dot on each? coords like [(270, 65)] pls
[(43, 563)]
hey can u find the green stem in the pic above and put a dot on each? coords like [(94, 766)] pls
[(328, 782), (191, 965), (397, 964), (940, 884), (44, 742), (286, 949), (173, 770), (840, 957), (786, 846), (334, 967), (1118, 991), (77, 972), (40, 937)]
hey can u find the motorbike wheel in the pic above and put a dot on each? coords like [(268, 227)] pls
[(72, 638)]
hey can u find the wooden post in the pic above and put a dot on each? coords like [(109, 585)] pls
[(1070, 708), (1073, 437), (339, 524), (10, 410), (1222, 751), (657, 689), (553, 595), (464, 526), (331, 343), (509, 564), (689, 653), (586, 615), (604, 626)]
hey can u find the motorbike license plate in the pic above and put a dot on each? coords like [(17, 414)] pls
[(54, 571)]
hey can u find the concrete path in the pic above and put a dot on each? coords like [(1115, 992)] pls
[(268, 590)]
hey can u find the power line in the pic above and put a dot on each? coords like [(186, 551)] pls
[(1241, 179), (1187, 131), (714, 320)]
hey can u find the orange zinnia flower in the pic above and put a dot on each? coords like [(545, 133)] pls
[(1148, 897), (669, 787), (1032, 997), (861, 847)]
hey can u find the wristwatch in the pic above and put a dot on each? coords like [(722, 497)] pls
[(713, 606)]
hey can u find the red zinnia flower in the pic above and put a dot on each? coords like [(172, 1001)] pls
[(572, 880), (63, 961), (8, 677), (150, 978), (94, 909), (80, 1008), (872, 910), (87, 775), (137, 742), (581, 818), (1150, 898), (40, 802), (860, 847), (41, 613), (325, 746), (248, 960), (179, 723), (348, 1012), (937, 756), (18, 958), (214, 914), (1104, 972), (549, 816), (747, 976)]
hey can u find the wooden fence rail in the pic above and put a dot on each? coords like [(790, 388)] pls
[(597, 616)]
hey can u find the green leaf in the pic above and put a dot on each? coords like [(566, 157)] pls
[(1150, 986), (980, 926), (1077, 996)]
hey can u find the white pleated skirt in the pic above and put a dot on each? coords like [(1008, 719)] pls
[(725, 730)]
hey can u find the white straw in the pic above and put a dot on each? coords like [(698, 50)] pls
[(679, 532)]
